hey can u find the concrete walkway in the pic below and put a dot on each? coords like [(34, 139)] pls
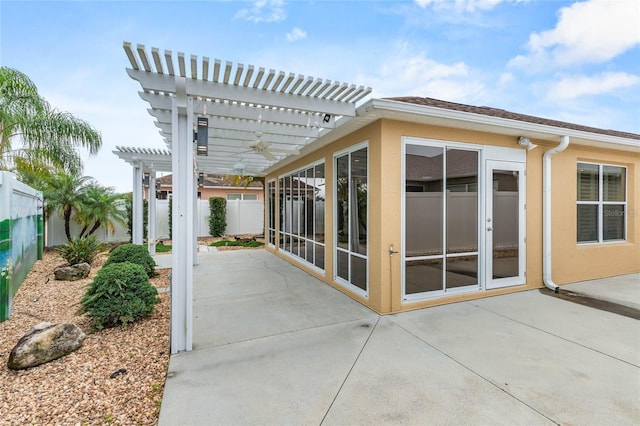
[(274, 346)]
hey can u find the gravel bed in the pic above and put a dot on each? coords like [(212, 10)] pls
[(78, 389)]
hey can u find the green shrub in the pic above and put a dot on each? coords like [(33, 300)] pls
[(133, 253), (81, 250), (218, 216), (119, 294), (230, 243)]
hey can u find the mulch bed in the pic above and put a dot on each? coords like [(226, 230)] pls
[(78, 388)]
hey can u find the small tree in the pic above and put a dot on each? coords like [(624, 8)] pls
[(33, 131), (218, 216), (64, 192), (100, 206)]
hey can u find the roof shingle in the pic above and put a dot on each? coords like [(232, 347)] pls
[(500, 113)]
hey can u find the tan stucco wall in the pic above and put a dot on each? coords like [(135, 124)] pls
[(571, 261), (206, 193), (577, 262)]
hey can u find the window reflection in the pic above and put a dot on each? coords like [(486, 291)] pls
[(438, 259), (302, 214), (351, 217)]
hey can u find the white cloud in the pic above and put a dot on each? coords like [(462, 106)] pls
[(459, 5), (594, 31), (417, 75), (264, 11), (572, 87), (506, 78), (296, 34)]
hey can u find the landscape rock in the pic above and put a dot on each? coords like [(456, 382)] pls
[(43, 343), (73, 272)]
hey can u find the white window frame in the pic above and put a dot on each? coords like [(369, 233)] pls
[(600, 203), (290, 234), (270, 207), (347, 284), (242, 196)]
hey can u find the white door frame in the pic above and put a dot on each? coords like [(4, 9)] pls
[(488, 225)]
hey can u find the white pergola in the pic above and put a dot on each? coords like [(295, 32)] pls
[(255, 120)]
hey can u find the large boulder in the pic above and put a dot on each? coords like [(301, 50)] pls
[(43, 343), (73, 272)]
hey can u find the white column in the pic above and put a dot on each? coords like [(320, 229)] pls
[(182, 216), (137, 209), (196, 219), (151, 226)]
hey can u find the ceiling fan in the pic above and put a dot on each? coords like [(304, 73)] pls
[(264, 149)]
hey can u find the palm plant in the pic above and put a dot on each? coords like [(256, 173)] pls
[(100, 206), (46, 135), (65, 192)]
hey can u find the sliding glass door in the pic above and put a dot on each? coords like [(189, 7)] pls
[(441, 216)]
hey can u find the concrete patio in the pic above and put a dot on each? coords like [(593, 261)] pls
[(275, 346)]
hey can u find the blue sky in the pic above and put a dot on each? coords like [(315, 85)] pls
[(566, 60)]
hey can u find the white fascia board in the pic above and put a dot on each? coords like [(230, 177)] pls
[(377, 108)]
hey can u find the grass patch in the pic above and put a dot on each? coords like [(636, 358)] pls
[(163, 248), (229, 243)]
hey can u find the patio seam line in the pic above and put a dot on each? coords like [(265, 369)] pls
[(555, 335), (285, 333), (350, 370), (476, 373)]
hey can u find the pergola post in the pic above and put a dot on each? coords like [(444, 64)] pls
[(196, 220), (136, 208), (151, 223), (182, 227)]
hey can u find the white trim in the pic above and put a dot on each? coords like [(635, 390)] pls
[(300, 237), (489, 281), (444, 145), (600, 203), (378, 107), (347, 284)]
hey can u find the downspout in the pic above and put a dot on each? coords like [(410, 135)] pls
[(546, 213)]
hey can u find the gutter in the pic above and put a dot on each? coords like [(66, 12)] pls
[(546, 213)]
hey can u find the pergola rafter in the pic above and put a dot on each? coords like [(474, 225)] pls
[(244, 104)]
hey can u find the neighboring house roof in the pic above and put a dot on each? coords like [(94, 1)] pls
[(213, 180), (495, 112)]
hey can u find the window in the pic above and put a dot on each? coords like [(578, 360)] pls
[(233, 196), (301, 214), (441, 220), (602, 203), (271, 200), (351, 217)]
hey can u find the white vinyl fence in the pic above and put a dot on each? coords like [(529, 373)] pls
[(424, 221), (243, 217)]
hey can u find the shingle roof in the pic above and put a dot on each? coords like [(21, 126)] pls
[(500, 113)]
